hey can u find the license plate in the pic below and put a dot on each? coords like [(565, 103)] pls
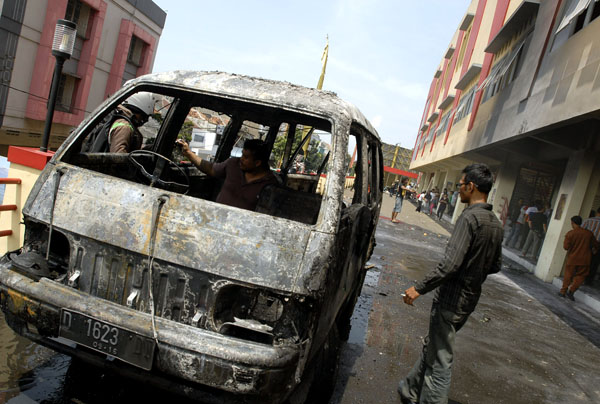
[(107, 338)]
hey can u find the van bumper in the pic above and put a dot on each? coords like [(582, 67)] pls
[(183, 352)]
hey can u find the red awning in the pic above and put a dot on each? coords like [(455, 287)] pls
[(400, 172)]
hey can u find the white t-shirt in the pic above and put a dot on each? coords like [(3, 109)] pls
[(530, 210)]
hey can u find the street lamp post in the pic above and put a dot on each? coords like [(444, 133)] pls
[(62, 49)]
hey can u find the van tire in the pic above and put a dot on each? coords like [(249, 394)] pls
[(344, 317), (320, 376)]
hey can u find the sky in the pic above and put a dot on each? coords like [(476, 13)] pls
[(382, 53)]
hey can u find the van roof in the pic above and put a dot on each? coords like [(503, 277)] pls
[(269, 91)]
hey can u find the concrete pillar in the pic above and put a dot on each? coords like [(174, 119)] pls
[(576, 180), (441, 184), (502, 190), (453, 176)]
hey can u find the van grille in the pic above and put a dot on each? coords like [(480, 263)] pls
[(116, 275)]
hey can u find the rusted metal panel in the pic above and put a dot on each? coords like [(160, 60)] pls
[(194, 233)]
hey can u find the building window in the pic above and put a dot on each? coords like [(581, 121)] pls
[(66, 90), (577, 14), (80, 14), (503, 72), (134, 56), (463, 48), (423, 120), (465, 105), (441, 129), (445, 76), (589, 14)]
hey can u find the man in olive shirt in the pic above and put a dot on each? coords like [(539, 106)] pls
[(244, 176), (473, 251)]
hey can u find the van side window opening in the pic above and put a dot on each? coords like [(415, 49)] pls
[(355, 180), (375, 178)]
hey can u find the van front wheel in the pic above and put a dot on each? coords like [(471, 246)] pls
[(320, 376)]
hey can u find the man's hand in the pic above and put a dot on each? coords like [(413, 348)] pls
[(410, 295), (185, 148)]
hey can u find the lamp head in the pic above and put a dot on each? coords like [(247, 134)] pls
[(64, 39)]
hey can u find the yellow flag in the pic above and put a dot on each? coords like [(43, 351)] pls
[(324, 61), (306, 130)]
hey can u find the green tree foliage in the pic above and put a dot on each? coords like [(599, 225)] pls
[(315, 157), (312, 161), (185, 133), (279, 146)]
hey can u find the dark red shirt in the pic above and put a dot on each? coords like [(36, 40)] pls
[(236, 191)]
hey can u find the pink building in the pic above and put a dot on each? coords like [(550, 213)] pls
[(116, 41)]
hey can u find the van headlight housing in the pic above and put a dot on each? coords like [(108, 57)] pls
[(257, 315)]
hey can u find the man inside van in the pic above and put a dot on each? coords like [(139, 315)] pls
[(473, 252), (244, 176)]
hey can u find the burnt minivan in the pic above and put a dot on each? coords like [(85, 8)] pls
[(130, 264)]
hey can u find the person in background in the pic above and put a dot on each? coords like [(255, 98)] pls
[(537, 230), (579, 243), (442, 205), (435, 196), (403, 190), (516, 213), (593, 224), (427, 199), (420, 201), (525, 228)]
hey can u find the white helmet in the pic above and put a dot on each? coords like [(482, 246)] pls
[(143, 101)]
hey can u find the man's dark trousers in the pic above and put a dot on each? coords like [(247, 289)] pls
[(429, 380)]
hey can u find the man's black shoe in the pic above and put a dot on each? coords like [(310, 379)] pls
[(561, 294), (570, 295)]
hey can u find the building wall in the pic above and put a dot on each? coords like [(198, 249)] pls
[(565, 88), (100, 68), (544, 118)]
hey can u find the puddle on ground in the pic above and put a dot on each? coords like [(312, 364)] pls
[(360, 316), (28, 369)]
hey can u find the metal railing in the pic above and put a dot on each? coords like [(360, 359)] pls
[(3, 208)]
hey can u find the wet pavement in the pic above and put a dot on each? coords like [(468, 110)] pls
[(523, 344)]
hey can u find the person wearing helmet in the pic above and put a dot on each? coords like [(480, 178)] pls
[(124, 136)]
